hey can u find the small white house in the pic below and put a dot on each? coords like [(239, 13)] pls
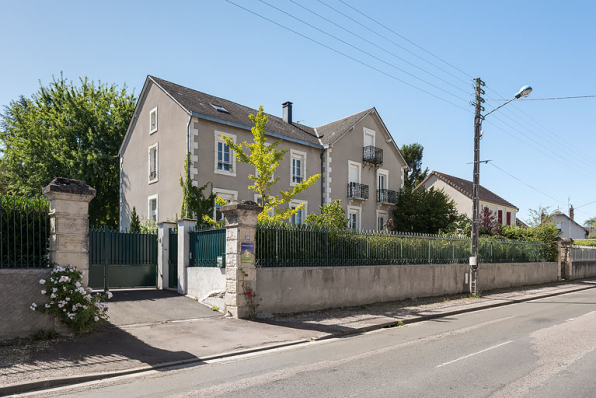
[(568, 226), (460, 191)]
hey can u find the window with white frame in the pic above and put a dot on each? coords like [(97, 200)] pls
[(354, 218), (153, 121), (225, 161), (153, 163), (300, 216), (152, 212), (259, 201), (383, 179), (354, 171), (297, 167), (369, 137), (228, 196), (382, 218)]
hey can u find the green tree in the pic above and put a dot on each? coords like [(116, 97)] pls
[(424, 211), (135, 223), (539, 216), (67, 130), (413, 155), (333, 215), (194, 203), (590, 222), (489, 224), (265, 159), (546, 233)]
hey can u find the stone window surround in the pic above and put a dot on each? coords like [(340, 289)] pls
[(225, 194), (296, 202), (359, 165), (151, 113), (154, 180), (217, 136), (369, 132), (385, 215), (358, 211), (386, 174), (295, 154), (149, 200)]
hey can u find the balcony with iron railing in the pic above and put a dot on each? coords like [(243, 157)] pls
[(372, 155), (357, 191), (386, 196)]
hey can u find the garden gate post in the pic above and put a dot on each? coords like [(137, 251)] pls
[(184, 227), (69, 223), (163, 247), (241, 273)]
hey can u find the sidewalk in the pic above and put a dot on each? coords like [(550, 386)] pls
[(125, 347)]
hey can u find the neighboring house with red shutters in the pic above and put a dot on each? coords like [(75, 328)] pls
[(460, 191), (356, 156)]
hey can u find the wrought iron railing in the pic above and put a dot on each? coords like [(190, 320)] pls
[(24, 233), (208, 247), (386, 196), (372, 154), (357, 191), (583, 253), (304, 245)]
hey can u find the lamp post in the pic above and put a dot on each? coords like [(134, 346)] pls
[(478, 118)]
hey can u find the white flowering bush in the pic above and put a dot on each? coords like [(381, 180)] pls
[(71, 302)]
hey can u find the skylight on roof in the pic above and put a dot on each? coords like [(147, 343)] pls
[(220, 108)]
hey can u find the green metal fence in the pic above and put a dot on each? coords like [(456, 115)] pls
[(122, 259), (24, 233), (303, 245), (208, 248)]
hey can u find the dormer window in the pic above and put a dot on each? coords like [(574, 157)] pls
[(219, 108), (153, 121)]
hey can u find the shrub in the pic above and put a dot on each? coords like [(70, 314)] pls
[(72, 303), (584, 242)]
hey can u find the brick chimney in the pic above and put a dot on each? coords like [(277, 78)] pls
[(287, 108), (571, 212)]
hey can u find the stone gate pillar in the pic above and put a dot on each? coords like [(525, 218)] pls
[(564, 258), (69, 223), (163, 253), (241, 274)]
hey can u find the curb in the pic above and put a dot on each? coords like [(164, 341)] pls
[(71, 380)]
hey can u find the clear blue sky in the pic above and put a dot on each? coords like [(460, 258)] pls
[(220, 49)]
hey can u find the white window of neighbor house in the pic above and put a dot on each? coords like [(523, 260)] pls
[(300, 216), (297, 167), (225, 162), (153, 121), (226, 195), (152, 212), (153, 163), (354, 218)]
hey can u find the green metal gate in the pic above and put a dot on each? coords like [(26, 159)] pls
[(173, 259), (122, 259), (208, 248)]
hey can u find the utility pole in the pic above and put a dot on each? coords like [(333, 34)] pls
[(475, 199)]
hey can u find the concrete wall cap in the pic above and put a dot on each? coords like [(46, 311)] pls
[(241, 205), (67, 185)]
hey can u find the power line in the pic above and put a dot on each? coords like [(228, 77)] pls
[(377, 46), (408, 40), (362, 51), (347, 56), (548, 99), (394, 42)]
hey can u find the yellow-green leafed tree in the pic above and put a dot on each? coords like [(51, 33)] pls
[(265, 158)]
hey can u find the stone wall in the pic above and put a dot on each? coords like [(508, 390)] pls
[(583, 269), (204, 280), (19, 288), (294, 289)]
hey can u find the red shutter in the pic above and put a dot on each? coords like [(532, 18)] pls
[(500, 217), (508, 218)]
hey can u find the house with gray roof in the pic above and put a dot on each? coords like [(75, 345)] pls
[(460, 191), (356, 156)]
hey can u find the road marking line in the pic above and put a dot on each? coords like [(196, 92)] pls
[(476, 353)]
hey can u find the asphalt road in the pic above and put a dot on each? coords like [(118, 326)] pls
[(543, 348)]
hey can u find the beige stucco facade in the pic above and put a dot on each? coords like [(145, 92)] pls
[(348, 150), (177, 129), (464, 204)]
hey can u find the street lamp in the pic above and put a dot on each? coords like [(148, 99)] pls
[(478, 118)]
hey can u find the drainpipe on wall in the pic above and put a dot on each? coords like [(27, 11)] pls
[(323, 177), (188, 146)]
